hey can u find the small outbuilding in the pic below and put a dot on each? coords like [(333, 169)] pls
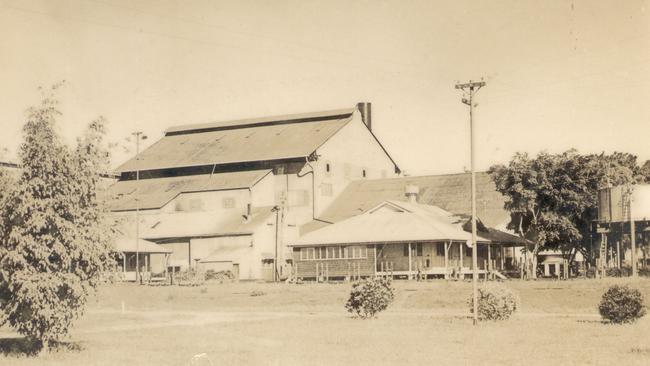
[(128, 249)]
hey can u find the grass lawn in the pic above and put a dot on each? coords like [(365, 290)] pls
[(222, 324)]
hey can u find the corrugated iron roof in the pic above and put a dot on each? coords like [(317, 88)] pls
[(227, 254), (392, 222), (290, 118), (239, 142), (155, 193), (204, 224), (450, 192), (125, 244)]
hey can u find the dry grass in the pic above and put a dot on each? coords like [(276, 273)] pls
[(306, 324)]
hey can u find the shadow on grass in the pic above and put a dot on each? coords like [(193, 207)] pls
[(22, 346)]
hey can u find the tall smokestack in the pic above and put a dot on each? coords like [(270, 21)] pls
[(366, 113)]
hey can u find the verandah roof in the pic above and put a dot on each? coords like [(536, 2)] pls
[(128, 245), (392, 222)]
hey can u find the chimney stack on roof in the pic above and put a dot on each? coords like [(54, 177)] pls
[(366, 113), (412, 192)]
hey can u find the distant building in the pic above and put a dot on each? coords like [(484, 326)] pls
[(617, 207), (232, 195)]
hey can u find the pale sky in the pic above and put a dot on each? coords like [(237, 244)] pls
[(560, 74)]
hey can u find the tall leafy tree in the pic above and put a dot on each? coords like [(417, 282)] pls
[(553, 198), (54, 237)]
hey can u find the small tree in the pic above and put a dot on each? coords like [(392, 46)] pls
[(495, 302), (370, 296), (622, 304), (54, 238)]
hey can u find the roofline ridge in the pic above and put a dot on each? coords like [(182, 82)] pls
[(258, 121)]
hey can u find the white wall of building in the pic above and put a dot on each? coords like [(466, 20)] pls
[(349, 153)]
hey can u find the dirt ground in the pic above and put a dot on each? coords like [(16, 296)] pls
[(223, 324)]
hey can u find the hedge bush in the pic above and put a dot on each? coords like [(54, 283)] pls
[(190, 277), (621, 304), (495, 302), (369, 297), (618, 272)]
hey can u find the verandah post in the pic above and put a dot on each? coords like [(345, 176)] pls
[(446, 260), (461, 254), (410, 264)]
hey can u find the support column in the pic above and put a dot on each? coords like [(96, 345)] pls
[(461, 255), (446, 260), (410, 264), (374, 271), (503, 257), (488, 268)]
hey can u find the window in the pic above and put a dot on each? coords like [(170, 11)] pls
[(306, 253), (468, 252), (363, 173), (328, 168), (359, 252), (228, 202), (415, 247), (334, 252), (440, 249), (321, 253)]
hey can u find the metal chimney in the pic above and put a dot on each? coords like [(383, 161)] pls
[(412, 192), (366, 113)]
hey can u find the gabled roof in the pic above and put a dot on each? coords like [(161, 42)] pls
[(392, 222), (244, 141), (450, 192), (157, 192)]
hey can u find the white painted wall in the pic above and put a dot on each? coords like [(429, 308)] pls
[(351, 151)]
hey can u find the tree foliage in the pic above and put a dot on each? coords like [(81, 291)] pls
[(55, 240), (553, 198)]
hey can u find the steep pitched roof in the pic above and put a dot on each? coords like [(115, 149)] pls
[(450, 192), (269, 138), (155, 193), (392, 222)]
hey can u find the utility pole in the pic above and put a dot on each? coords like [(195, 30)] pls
[(138, 136), (632, 231), (471, 89)]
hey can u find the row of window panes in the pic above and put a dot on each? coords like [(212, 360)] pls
[(320, 253), (440, 250)]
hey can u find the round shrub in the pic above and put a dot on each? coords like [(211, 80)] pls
[(495, 302), (621, 304), (370, 296)]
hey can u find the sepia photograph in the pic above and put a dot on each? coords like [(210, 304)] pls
[(324, 182)]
